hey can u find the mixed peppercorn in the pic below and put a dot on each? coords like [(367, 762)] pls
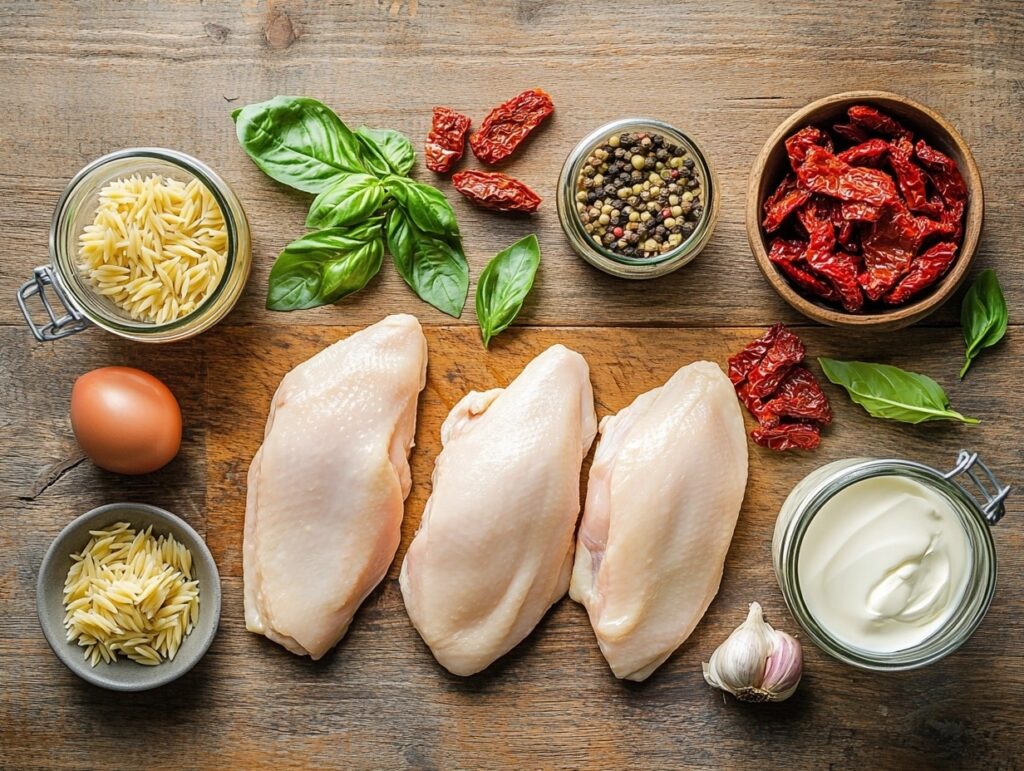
[(639, 195), (878, 222), (782, 395)]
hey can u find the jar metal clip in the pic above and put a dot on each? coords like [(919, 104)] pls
[(71, 322), (994, 493)]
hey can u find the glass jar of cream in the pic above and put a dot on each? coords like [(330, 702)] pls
[(889, 564)]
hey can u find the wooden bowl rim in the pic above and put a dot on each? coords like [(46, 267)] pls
[(902, 315)]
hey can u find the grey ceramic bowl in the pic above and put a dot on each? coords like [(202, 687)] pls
[(124, 674)]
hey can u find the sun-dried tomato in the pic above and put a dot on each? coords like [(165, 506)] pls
[(857, 211), (788, 254), (851, 133), (866, 153), (925, 271), (743, 362), (822, 172), (944, 172), (798, 144), (800, 396), (493, 190), (838, 267), (788, 436), (785, 352), (874, 120), (786, 199), (888, 249), (508, 124), (908, 174), (446, 141)]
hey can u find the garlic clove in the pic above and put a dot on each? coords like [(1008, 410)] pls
[(756, 663)]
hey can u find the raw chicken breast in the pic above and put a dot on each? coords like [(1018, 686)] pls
[(324, 509), (494, 548), (664, 493)]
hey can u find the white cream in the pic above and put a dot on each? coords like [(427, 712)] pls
[(884, 564)]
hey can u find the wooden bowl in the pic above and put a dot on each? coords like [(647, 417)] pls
[(772, 164)]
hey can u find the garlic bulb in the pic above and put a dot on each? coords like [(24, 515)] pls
[(756, 663)]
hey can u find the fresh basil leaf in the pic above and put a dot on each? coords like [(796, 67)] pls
[(324, 266), (892, 393), (435, 269), (504, 284), (387, 151), (300, 142), (983, 316), (348, 201), (426, 206)]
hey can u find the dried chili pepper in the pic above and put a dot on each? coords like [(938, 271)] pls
[(870, 151), (944, 172), (785, 351), (871, 118), (508, 124), (925, 271), (786, 199), (493, 190), (851, 133), (798, 144), (822, 172), (446, 141), (788, 436), (800, 396)]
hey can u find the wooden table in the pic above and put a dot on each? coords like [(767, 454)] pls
[(82, 79)]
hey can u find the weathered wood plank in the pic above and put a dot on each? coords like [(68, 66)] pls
[(379, 699)]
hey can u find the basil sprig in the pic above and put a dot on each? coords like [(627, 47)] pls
[(983, 316), (360, 178), (892, 393), (504, 284)]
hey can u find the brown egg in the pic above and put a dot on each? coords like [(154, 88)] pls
[(125, 420)]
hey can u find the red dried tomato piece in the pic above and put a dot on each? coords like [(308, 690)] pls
[(508, 124), (787, 255), (888, 247), (877, 121), (925, 271), (944, 172), (786, 199), (857, 211), (785, 352), (800, 396), (743, 362), (908, 175), (493, 190), (865, 153), (446, 141), (788, 436), (851, 133), (755, 406), (822, 172), (807, 137), (838, 267)]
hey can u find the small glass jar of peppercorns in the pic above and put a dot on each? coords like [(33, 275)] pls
[(636, 198)]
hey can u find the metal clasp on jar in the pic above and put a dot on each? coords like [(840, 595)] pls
[(994, 493), (68, 323)]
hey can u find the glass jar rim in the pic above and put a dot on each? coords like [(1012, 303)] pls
[(190, 165), (972, 607), (574, 163)]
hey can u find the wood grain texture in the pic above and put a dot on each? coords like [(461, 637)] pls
[(85, 78)]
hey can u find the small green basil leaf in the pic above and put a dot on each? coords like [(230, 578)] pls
[(435, 269), (348, 201), (388, 151), (426, 206), (504, 284), (983, 316), (890, 392), (324, 266), (298, 141)]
